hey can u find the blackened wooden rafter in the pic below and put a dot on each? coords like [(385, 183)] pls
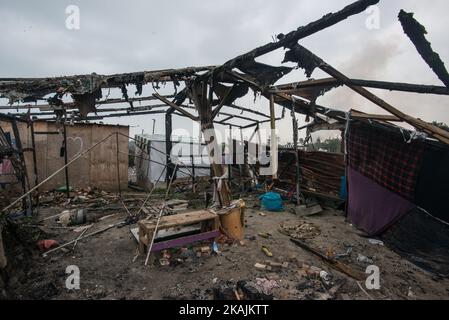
[(292, 88), (416, 32), (306, 59)]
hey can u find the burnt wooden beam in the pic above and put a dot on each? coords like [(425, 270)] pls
[(310, 61), (72, 105), (258, 123), (249, 110), (19, 89), (284, 40), (154, 75), (291, 88), (289, 102), (380, 117), (138, 111), (416, 32), (326, 21), (176, 107), (225, 120), (222, 102), (320, 126), (135, 110)]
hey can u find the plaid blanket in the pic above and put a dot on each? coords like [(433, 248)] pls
[(386, 158)]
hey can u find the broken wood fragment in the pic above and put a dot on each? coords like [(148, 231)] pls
[(337, 265), (416, 32)]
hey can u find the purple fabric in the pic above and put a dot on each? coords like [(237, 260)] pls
[(372, 207), (178, 242)]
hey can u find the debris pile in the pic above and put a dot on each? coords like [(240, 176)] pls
[(301, 231)]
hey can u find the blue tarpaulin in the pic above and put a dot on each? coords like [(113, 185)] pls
[(272, 201)]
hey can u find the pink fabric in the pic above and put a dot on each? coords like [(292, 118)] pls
[(6, 167)]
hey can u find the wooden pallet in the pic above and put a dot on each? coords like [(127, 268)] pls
[(209, 229)]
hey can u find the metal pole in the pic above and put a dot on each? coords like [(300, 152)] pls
[(192, 160), (65, 162), (118, 166), (295, 144), (171, 181), (168, 145), (36, 177), (273, 139), (231, 154)]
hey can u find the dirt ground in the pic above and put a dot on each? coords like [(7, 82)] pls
[(109, 269)]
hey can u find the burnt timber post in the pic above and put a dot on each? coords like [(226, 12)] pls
[(273, 139), (231, 155), (204, 107), (297, 160), (232, 224), (168, 144), (192, 160), (36, 176)]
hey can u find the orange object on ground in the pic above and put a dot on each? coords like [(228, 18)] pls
[(45, 245)]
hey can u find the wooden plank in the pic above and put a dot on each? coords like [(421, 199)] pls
[(180, 219), (103, 166), (380, 117)]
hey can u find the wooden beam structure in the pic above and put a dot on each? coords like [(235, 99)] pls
[(380, 117), (199, 95), (302, 32), (293, 88), (305, 57), (222, 102), (176, 107)]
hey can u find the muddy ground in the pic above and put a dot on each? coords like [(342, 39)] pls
[(109, 268)]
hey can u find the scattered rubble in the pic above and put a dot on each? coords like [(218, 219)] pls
[(301, 231)]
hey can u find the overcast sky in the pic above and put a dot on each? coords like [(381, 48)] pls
[(126, 36)]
